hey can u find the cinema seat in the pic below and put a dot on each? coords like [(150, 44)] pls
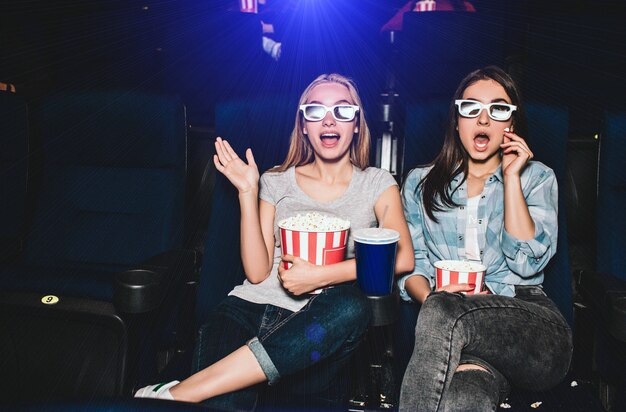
[(605, 290), (547, 138), (83, 307)]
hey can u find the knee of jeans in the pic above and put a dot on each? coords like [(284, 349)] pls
[(441, 306), (353, 310)]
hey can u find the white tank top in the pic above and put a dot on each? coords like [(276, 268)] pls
[(472, 251)]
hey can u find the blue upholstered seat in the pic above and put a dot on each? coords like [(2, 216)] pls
[(612, 197), (547, 138), (111, 192), (110, 197), (605, 290)]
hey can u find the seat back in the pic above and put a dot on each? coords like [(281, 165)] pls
[(611, 222), (439, 48), (13, 172), (113, 181), (425, 123), (547, 138), (264, 125)]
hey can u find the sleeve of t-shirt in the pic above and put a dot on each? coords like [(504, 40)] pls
[(267, 187), (381, 181)]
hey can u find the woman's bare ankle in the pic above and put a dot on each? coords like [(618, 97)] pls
[(469, 366), (179, 393)]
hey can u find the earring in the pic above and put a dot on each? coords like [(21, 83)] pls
[(356, 130), (304, 131)]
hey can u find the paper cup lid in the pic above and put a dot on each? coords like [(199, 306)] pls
[(374, 235), (460, 266)]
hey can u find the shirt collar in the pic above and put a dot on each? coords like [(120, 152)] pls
[(497, 174)]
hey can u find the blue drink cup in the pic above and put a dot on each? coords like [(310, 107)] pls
[(375, 253)]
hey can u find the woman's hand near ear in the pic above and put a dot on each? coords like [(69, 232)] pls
[(515, 154)]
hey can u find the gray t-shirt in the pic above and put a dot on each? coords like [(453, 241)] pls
[(281, 190)]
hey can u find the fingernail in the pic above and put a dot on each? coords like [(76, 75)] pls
[(472, 285), (506, 129)]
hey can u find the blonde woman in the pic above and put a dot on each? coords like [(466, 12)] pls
[(271, 327)]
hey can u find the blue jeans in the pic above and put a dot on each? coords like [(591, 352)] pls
[(309, 346), (522, 341)]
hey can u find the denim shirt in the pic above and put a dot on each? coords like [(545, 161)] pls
[(509, 261)]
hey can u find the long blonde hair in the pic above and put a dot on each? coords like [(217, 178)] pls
[(300, 149)]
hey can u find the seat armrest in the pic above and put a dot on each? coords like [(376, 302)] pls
[(144, 287), (63, 346), (607, 295)]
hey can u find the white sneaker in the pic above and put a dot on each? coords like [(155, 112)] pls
[(158, 391)]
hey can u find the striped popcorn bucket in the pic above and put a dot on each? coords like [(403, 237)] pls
[(248, 6), (452, 272), (319, 248)]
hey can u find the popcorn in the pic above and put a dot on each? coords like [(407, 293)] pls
[(314, 222), (573, 384), (535, 405), (505, 405), (461, 266)]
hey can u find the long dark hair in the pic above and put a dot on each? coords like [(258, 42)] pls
[(452, 160)]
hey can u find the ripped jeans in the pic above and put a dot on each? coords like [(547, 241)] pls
[(523, 341), (307, 348)]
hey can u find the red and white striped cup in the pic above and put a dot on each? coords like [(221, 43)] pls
[(425, 5), (319, 248), (452, 272), (248, 6)]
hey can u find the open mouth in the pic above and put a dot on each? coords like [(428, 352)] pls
[(481, 141), (329, 139)]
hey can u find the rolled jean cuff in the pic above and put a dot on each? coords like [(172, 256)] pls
[(264, 360)]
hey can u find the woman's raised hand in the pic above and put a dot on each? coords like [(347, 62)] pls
[(515, 154), (245, 177)]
